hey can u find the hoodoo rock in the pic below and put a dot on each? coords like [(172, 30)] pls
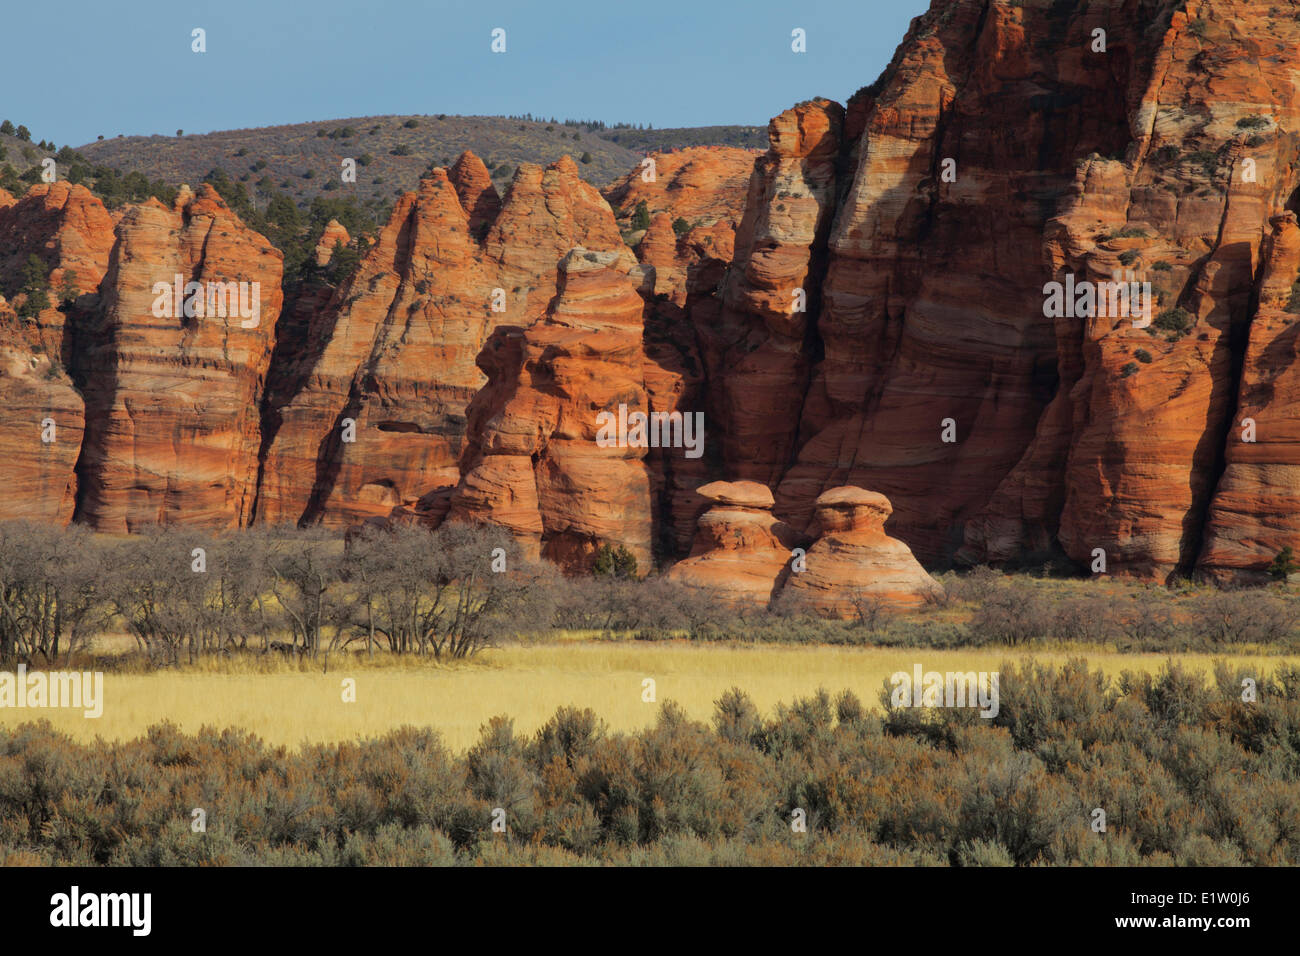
[(538, 461), (854, 561), (335, 234), (173, 373), (478, 196), (741, 552)]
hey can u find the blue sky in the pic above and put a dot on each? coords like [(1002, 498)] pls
[(107, 67)]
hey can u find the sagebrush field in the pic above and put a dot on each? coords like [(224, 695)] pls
[(1185, 772)]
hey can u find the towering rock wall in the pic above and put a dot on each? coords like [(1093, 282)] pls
[(871, 308), (171, 384), (757, 349), (1006, 147), (938, 360), (375, 418)]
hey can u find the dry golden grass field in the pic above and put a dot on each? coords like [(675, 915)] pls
[(287, 705)]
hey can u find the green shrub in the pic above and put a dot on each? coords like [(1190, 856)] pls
[(1173, 320), (1207, 160), (1125, 232), (1293, 303), (1284, 565)]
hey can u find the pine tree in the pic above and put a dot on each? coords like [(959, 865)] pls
[(641, 218), (36, 286), (1283, 565)]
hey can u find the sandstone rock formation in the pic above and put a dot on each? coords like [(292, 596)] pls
[(1255, 511), (172, 421), (478, 196), (68, 230), (375, 418), (686, 271), (533, 463), (333, 235), (64, 225), (756, 349), (865, 304), (747, 557), (1000, 432), (40, 430), (701, 184), (853, 563), (1129, 451), (741, 552)]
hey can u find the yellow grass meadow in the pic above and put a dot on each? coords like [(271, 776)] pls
[(528, 682)]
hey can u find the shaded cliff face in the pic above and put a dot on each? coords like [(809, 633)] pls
[(756, 340), (1255, 510), (932, 323), (40, 431), (1142, 424), (70, 232)]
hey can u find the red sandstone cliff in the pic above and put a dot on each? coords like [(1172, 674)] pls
[(534, 462), (172, 417), (394, 353), (70, 233), (861, 305)]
